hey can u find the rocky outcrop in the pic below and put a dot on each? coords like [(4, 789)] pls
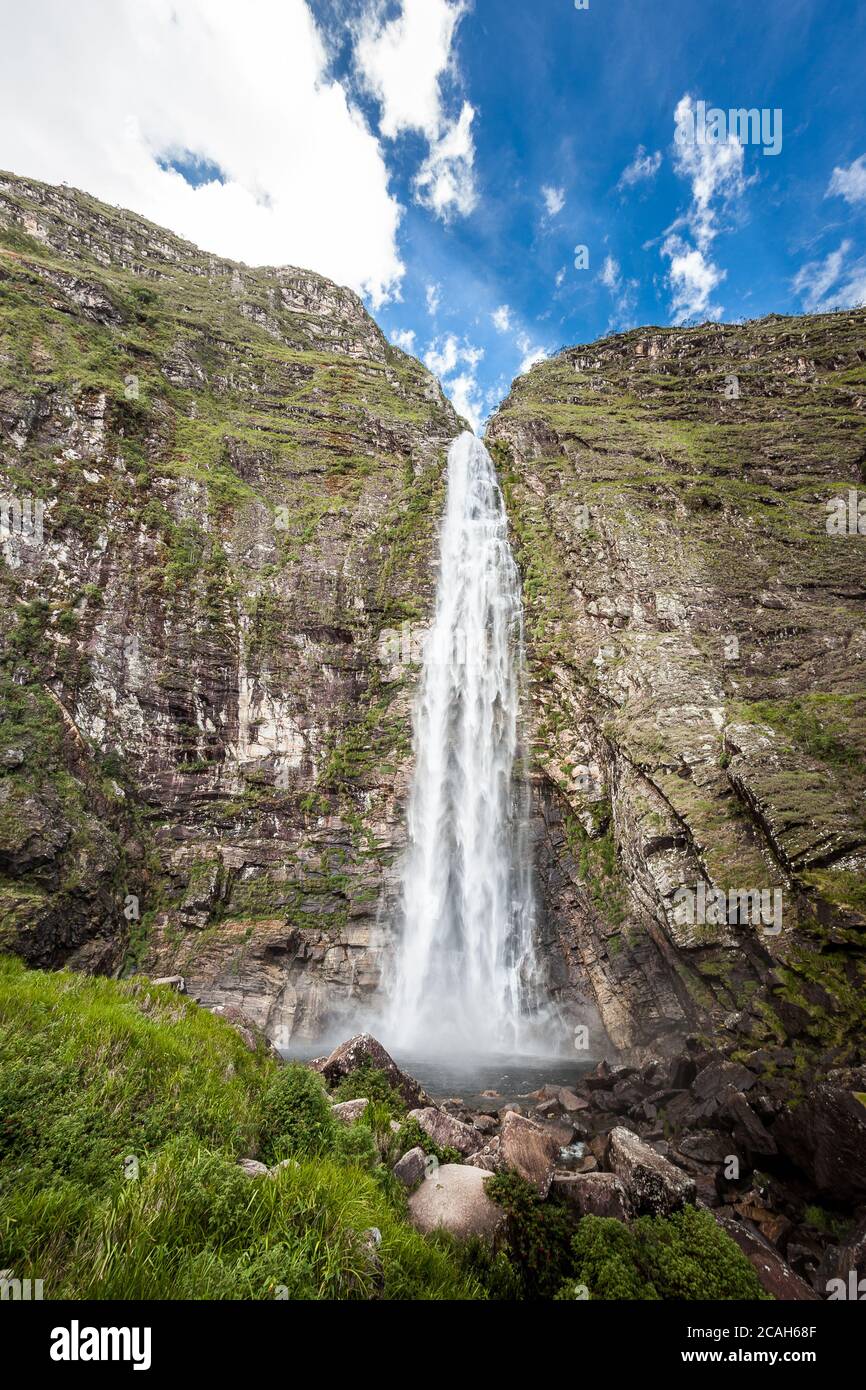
[(694, 620), (212, 632), (366, 1051)]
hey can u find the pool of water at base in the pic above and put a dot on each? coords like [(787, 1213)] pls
[(512, 1078)]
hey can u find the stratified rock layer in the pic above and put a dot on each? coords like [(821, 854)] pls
[(685, 514), (208, 662)]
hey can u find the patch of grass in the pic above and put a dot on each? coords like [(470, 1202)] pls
[(93, 1070)]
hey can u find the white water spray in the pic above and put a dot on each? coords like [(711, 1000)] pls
[(466, 975)]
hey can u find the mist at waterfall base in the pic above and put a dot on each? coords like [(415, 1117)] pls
[(465, 982)]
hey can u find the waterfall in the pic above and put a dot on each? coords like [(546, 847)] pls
[(465, 974)]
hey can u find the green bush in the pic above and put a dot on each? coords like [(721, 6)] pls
[(296, 1115), (537, 1235), (369, 1082), (684, 1256)]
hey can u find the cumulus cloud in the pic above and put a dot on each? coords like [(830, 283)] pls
[(118, 106), (831, 283), (454, 361), (554, 199), (433, 295), (446, 181), (849, 183), (502, 319), (715, 173), (406, 62), (403, 338), (642, 168), (693, 278)]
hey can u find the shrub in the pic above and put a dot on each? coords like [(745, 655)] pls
[(684, 1256), (537, 1235), (296, 1115), (369, 1082)]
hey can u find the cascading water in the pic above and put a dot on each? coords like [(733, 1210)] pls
[(465, 974)]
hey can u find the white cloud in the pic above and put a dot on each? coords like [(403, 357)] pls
[(466, 398), (693, 277), (403, 338), (98, 103), (433, 295), (405, 62), (715, 173), (624, 293), (531, 353), (502, 319), (642, 168), (560, 276), (609, 274), (446, 181), (833, 282), (850, 183), (443, 357), (554, 199)]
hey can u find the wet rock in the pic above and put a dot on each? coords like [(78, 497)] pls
[(825, 1135), (654, 1185), (775, 1275), (453, 1199)]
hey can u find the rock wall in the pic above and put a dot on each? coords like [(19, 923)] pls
[(206, 677), (695, 623)]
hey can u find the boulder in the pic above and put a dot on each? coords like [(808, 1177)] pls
[(825, 1135), (410, 1169), (446, 1131), (251, 1168), (485, 1124), (654, 1185), (530, 1150), (453, 1199), (713, 1079), (348, 1111), (365, 1049), (594, 1194), (569, 1101), (775, 1276)]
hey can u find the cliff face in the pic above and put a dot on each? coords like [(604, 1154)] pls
[(221, 490), (205, 711), (695, 623)]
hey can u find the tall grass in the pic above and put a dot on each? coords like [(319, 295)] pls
[(93, 1071)]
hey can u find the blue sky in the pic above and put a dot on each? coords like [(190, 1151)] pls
[(567, 100), (445, 157)]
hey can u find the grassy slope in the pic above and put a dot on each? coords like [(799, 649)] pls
[(95, 1070)]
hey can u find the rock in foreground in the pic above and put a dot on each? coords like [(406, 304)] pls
[(453, 1199)]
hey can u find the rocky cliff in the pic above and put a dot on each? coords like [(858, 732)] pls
[(220, 492), (221, 488), (685, 512)]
